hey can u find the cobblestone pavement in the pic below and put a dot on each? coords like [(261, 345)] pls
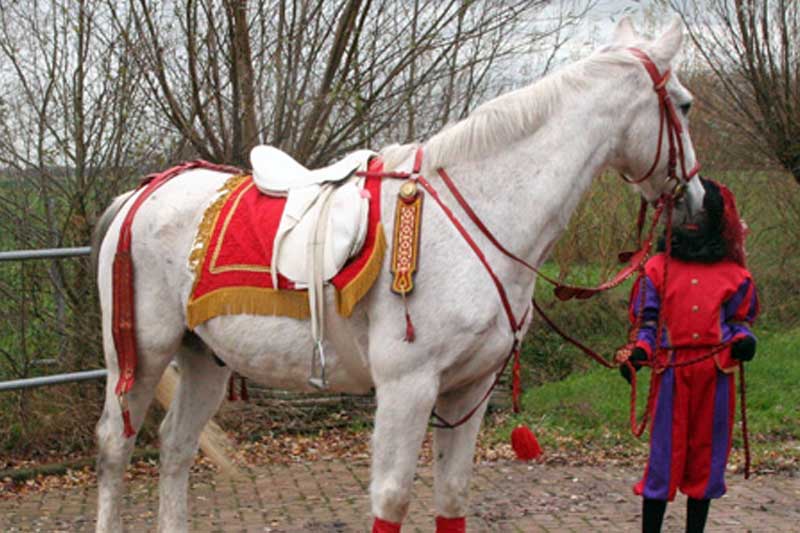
[(332, 497)]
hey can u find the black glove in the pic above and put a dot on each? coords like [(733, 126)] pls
[(744, 349), (638, 356)]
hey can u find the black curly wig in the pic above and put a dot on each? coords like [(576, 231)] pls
[(704, 242)]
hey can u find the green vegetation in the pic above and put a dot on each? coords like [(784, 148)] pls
[(572, 388), (570, 401), (593, 407)]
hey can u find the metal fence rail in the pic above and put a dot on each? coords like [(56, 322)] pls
[(46, 253), (72, 377), (55, 379)]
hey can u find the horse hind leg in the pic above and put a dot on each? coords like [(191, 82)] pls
[(114, 449), (454, 450), (199, 393)]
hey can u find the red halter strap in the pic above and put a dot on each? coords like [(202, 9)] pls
[(669, 121)]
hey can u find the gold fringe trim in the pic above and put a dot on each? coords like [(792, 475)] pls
[(202, 238), (351, 294), (272, 302), (247, 301)]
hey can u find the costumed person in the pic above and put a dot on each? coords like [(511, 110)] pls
[(700, 297)]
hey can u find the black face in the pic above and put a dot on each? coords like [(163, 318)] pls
[(701, 240)]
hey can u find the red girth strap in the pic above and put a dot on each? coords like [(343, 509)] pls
[(123, 321)]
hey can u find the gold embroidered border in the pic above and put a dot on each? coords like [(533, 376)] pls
[(405, 244), (212, 267), (351, 294), (203, 236)]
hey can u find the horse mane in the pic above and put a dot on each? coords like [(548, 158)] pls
[(514, 115), (394, 154)]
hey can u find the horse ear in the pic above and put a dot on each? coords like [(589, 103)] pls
[(666, 47), (624, 33)]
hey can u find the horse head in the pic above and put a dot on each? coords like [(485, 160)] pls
[(656, 153)]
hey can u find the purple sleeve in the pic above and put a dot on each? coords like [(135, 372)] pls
[(740, 311), (646, 296)]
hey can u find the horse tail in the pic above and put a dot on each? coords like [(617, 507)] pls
[(214, 443), (101, 228)]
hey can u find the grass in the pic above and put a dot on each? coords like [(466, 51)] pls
[(592, 407)]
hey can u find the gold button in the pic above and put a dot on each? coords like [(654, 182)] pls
[(695, 308), (408, 190), (695, 336), (694, 281)]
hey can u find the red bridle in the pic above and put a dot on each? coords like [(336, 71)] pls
[(669, 121)]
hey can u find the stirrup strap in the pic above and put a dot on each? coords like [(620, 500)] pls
[(315, 249)]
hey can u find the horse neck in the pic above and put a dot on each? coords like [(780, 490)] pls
[(527, 192)]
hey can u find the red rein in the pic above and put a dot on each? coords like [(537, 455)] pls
[(123, 303)]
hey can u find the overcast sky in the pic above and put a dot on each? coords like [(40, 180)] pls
[(602, 18), (596, 28)]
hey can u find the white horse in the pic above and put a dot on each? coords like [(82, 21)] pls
[(523, 160)]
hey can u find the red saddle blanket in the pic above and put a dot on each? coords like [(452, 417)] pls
[(233, 254)]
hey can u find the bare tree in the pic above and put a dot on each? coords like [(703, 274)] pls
[(71, 131), (753, 49), (317, 77), (95, 93)]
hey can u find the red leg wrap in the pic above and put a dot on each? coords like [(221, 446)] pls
[(451, 525), (384, 526)]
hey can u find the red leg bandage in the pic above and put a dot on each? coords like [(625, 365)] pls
[(451, 525), (384, 526)]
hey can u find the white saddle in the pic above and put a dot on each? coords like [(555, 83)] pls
[(276, 173), (326, 213), (324, 223)]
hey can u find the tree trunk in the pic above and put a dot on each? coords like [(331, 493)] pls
[(244, 122)]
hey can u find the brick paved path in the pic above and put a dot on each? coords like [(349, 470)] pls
[(332, 497)]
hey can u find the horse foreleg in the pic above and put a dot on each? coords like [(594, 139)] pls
[(401, 419), (200, 390), (454, 450)]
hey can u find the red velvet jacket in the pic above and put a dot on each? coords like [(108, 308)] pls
[(705, 304)]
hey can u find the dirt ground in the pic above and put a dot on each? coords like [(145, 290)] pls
[(331, 496)]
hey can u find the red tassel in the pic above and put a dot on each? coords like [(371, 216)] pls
[(451, 525), (128, 427), (384, 526), (525, 444), (410, 335), (232, 389), (244, 393), (516, 384)]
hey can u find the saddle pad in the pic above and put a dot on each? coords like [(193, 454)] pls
[(233, 252)]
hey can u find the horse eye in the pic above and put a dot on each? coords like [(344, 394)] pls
[(685, 108)]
